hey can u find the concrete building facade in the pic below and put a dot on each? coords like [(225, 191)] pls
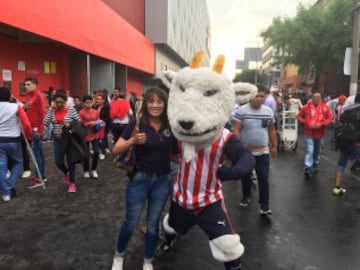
[(86, 45), (179, 29)]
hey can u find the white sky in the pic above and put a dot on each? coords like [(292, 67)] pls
[(236, 24)]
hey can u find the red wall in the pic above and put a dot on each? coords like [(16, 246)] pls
[(133, 11), (134, 83), (88, 25), (34, 55)]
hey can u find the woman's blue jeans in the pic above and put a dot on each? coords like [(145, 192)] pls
[(155, 190), (10, 151)]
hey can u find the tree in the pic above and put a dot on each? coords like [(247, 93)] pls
[(315, 38), (248, 75)]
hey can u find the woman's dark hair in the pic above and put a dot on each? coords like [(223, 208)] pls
[(122, 94), (5, 94), (61, 93), (51, 89), (148, 96)]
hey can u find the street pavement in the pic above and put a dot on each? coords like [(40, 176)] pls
[(310, 229)]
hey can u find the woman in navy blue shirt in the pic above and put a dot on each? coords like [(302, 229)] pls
[(152, 181)]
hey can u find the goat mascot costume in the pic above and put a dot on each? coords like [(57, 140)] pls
[(201, 101)]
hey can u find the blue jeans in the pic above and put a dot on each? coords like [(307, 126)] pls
[(59, 160), (262, 171), (345, 155), (10, 151), (104, 142), (37, 147), (312, 151), (155, 190), (48, 132)]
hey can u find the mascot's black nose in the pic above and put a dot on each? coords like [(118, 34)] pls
[(186, 124)]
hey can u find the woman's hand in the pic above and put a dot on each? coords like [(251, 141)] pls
[(139, 138)]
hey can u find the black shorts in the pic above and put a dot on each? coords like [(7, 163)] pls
[(212, 219)]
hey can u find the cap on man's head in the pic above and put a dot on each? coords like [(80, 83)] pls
[(342, 98)]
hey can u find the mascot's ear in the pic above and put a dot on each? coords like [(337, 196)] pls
[(245, 87), (219, 63), (168, 77), (248, 91)]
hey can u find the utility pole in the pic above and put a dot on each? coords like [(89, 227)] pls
[(355, 50)]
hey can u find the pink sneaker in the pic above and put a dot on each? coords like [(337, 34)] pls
[(66, 179), (72, 188)]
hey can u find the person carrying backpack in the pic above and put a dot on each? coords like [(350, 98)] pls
[(348, 141)]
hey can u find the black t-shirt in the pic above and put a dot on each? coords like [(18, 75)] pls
[(154, 155)]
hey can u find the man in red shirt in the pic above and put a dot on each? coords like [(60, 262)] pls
[(314, 116), (35, 108), (120, 113)]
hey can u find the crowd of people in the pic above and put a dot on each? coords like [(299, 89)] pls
[(29, 121), (53, 118)]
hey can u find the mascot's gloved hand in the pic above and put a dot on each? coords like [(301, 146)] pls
[(224, 173)]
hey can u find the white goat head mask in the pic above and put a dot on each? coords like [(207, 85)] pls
[(244, 92), (200, 103)]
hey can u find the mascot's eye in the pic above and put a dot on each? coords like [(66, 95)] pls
[(182, 88), (209, 93)]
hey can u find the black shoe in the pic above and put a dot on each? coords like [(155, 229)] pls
[(236, 265), (164, 245), (308, 173), (13, 193), (245, 202), (354, 167), (265, 210)]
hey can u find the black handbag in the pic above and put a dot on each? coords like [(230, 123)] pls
[(126, 161), (79, 129)]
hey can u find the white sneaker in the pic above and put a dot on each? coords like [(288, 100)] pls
[(86, 175), (148, 266), (107, 150), (94, 174), (6, 198), (101, 156), (117, 263), (26, 174)]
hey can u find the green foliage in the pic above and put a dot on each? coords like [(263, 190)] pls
[(315, 38), (248, 75)]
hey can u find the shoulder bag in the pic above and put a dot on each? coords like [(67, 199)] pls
[(126, 161)]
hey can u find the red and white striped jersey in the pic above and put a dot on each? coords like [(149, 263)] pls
[(196, 184)]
